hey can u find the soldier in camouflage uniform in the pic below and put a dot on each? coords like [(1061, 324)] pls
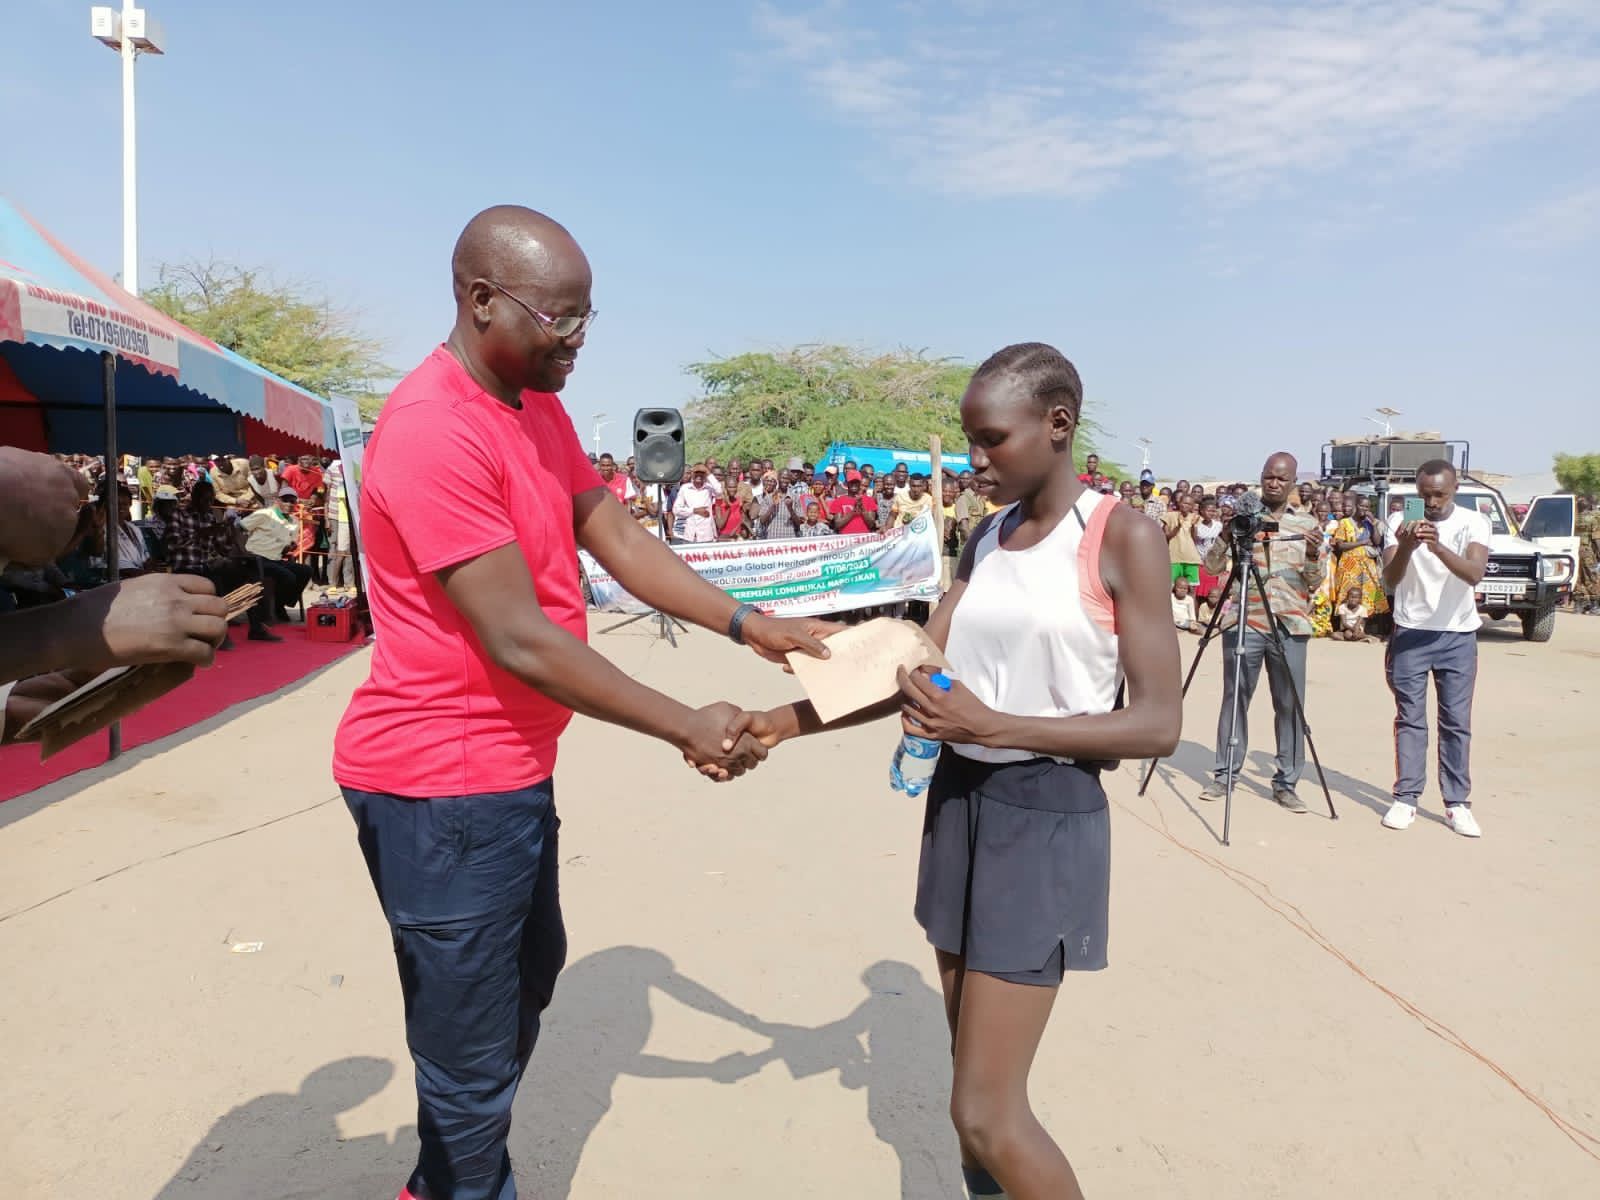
[(1587, 594)]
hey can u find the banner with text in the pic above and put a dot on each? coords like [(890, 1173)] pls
[(352, 446), (797, 577), (31, 312)]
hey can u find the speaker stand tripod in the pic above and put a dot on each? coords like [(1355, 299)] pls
[(664, 621)]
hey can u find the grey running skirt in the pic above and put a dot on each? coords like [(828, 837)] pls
[(1016, 867)]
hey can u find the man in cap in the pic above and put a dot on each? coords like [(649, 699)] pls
[(830, 482), (853, 512), (797, 485), (695, 505), (446, 753), (270, 533), (1151, 504)]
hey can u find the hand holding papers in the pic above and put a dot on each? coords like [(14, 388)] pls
[(114, 694), (862, 665)]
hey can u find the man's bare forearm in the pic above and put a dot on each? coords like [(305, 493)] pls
[(648, 569), (558, 665)]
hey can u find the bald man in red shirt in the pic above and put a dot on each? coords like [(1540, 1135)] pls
[(446, 753)]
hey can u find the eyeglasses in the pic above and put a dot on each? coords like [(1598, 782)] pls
[(561, 327)]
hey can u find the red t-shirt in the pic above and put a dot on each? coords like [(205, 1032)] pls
[(305, 483), (450, 474), (856, 524)]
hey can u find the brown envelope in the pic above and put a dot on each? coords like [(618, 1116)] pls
[(862, 664)]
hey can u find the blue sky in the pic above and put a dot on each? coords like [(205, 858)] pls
[(1249, 224)]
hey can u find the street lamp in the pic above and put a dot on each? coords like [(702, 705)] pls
[(1388, 415), (600, 423), (130, 33), (1144, 453)]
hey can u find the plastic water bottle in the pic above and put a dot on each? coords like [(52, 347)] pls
[(915, 757)]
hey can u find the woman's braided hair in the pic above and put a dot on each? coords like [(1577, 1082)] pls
[(1042, 371)]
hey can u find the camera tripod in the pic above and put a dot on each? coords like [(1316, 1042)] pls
[(1243, 557)]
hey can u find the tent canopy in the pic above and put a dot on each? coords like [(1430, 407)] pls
[(177, 391), (884, 458)]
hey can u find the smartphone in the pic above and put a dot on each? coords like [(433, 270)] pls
[(1416, 510)]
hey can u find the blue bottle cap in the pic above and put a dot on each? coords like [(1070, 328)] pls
[(941, 681)]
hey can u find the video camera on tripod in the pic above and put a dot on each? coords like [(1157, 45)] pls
[(1249, 519)]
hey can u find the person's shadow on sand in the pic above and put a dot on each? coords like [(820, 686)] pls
[(597, 1027), (286, 1145), (905, 1069), (593, 1033)]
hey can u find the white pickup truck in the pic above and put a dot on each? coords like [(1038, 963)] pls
[(1552, 524), (1528, 577)]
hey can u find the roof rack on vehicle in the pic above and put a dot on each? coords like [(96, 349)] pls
[(1355, 460)]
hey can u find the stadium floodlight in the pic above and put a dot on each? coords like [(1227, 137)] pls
[(130, 32)]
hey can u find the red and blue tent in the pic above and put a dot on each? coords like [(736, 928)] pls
[(176, 392)]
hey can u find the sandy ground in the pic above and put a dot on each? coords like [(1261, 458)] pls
[(1226, 1053)]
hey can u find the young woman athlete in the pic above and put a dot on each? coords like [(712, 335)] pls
[(1061, 597)]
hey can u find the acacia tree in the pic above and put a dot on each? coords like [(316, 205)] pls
[(798, 400), (1578, 473), (307, 342)]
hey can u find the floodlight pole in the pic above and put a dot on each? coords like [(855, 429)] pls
[(130, 166), (129, 32)]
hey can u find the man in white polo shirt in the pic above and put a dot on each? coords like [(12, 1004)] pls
[(1432, 567)]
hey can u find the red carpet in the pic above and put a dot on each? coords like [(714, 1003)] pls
[(249, 670)]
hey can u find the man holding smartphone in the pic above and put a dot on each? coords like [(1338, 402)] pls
[(1432, 568)]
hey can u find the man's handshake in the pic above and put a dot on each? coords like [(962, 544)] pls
[(724, 741)]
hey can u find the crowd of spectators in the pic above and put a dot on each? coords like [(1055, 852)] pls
[(232, 520), (763, 498), (1350, 605), (284, 522), (758, 499)]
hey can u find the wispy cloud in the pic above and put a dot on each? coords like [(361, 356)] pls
[(1241, 95), (1571, 219)]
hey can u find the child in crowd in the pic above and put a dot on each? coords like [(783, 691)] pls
[(1352, 618), (814, 526), (1183, 610)]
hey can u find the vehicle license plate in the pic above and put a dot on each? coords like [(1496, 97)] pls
[(1501, 587)]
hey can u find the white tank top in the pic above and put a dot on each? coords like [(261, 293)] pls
[(1035, 632)]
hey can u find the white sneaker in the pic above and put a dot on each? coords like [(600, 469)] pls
[(1400, 815), (1459, 817)]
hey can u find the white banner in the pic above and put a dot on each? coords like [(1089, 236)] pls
[(352, 445), (804, 576), (46, 313)]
